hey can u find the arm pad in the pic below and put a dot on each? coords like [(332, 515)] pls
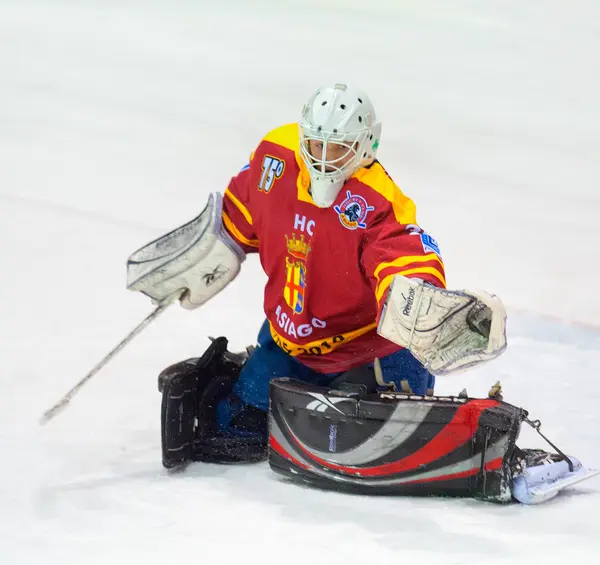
[(445, 330), (196, 260)]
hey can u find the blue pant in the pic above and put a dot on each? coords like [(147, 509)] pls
[(268, 361)]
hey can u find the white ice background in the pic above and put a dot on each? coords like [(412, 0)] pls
[(118, 117)]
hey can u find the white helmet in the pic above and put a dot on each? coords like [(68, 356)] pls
[(343, 115)]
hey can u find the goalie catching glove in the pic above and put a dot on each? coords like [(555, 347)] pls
[(193, 262), (445, 330)]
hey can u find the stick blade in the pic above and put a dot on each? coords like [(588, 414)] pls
[(49, 414)]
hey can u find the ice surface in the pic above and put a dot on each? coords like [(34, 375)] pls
[(117, 119)]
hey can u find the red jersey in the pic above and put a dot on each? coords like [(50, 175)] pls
[(328, 269)]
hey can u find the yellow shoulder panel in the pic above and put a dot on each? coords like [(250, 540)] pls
[(376, 177), (287, 136)]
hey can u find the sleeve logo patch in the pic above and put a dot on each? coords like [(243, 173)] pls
[(430, 245)]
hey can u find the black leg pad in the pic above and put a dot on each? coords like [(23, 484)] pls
[(183, 386), (191, 391)]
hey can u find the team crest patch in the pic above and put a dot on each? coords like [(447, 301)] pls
[(352, 212), (430, 245), (295, 285), (294, 291)]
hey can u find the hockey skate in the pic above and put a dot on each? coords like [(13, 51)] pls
[(539, 476)]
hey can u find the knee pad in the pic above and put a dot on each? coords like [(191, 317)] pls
[(360, 380)]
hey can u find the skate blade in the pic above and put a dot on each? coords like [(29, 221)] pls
[(547, 491)]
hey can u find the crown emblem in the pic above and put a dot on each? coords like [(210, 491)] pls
[(298, 248)]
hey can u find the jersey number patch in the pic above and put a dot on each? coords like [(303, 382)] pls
[(272, 169)]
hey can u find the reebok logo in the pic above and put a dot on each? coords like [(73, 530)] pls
[(213, 276), (409, 301), (322, 403)]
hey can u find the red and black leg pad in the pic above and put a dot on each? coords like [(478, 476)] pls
[(191, 390), (390, 443)]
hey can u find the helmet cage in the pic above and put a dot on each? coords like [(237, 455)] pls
[(339, 167)]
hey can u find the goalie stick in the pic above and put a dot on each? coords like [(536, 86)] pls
[(66, 399)]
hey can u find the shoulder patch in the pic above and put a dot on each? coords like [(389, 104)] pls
[(352, 212), (430, 245)]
